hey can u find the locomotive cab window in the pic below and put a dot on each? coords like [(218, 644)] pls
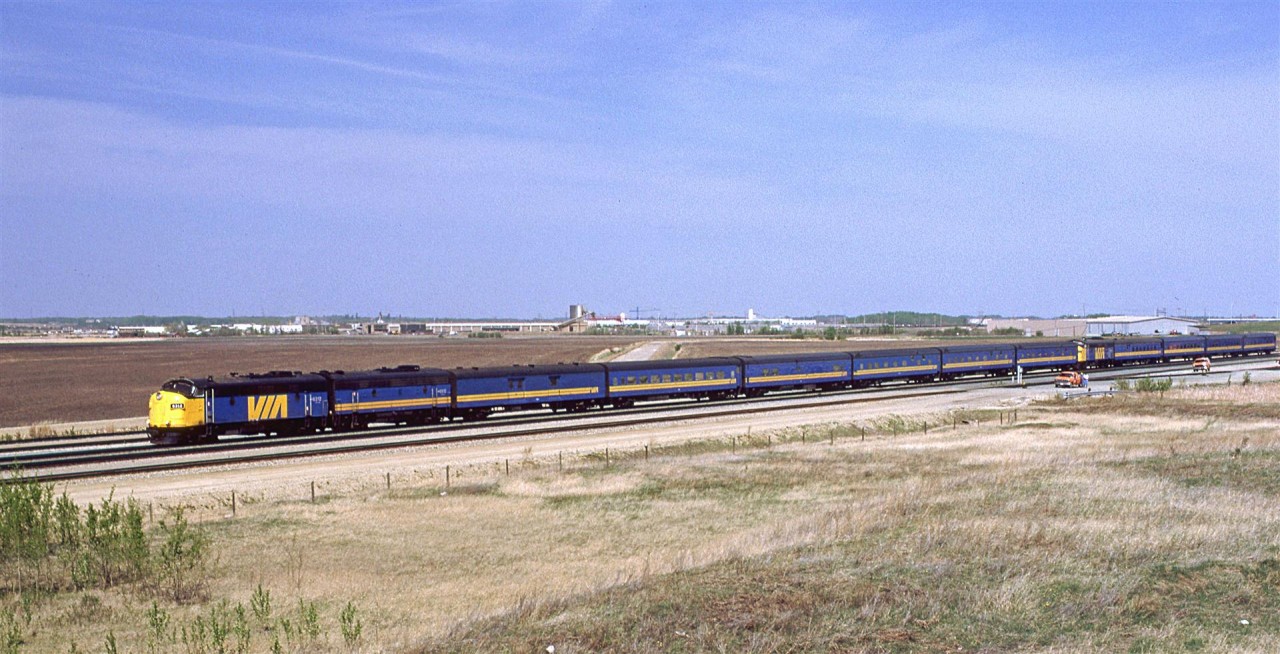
[(182, 387)]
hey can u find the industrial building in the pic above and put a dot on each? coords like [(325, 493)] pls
[(1141, 326)]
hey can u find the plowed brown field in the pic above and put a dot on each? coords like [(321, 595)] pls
[(71, 381)]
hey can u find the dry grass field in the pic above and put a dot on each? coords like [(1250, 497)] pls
[(1091, 526)]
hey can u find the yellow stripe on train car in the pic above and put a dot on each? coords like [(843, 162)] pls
[(524, 395), (796, 377), (1061, 358), (891, 369), (391, 404), (728, 381), (974, 364)]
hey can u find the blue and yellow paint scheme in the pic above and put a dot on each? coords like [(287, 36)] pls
[(560, 386), (277, 402), (791, 371), (1040, 356), (176, 412), (1183, 347), (1138, 350), (284, 402), (408, 393), (629, 381), (877, 366), (1258, 344), (991, 359), (1217, 345)]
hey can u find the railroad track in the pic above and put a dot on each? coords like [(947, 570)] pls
[(96, 458)]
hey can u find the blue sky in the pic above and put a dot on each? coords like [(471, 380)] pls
[(509, 159)]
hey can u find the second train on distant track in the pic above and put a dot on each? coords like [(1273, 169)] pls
[(189, 410)]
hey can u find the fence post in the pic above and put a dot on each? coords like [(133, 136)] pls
[(606, 457), (313, 492), (233, 504), (646, 452), (560, 460), (388, 481), (446, 477), (733, 444), (508, 462)]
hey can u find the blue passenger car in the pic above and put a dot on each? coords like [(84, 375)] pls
[(1259, 343), (716, 378), (1139, 350), (1055, 355), (790, 371), (409, 394), (279, 402), (1183, 347), (573, 386), (877, 366), (1221, 345), (988, 359)]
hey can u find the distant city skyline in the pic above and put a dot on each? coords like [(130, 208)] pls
[(509, 159)]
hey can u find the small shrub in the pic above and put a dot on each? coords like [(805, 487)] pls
[(308, 620), (350, 624), (1150, 385), (182, 558), (10, 633), (158, 633), (260, 603)]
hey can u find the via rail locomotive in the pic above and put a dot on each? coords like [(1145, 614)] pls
[(189, 410)]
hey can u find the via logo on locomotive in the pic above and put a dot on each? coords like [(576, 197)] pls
[(268, 407)]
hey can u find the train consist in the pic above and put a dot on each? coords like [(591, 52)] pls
[(288, 403)]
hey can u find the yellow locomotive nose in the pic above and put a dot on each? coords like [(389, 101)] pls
[(172, 410)]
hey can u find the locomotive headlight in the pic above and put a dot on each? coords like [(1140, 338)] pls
[(177, 405)]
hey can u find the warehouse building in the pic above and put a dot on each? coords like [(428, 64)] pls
[(1141, 326)]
